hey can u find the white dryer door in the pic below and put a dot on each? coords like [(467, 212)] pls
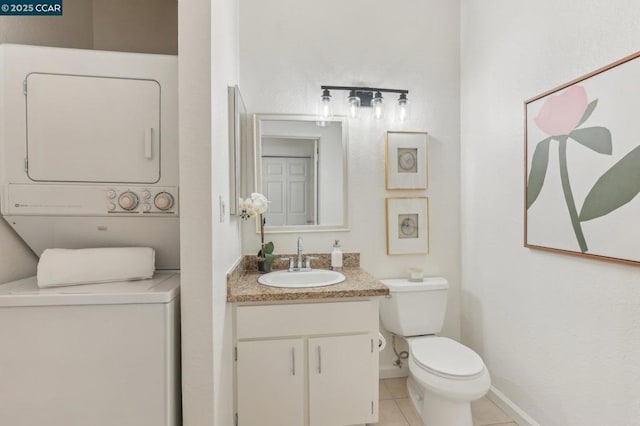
[(92, 129)]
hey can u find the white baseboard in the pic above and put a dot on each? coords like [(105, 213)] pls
[(391, 371), (510, 408)]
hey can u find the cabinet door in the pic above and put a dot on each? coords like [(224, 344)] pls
[(343, 380), (271, 383)]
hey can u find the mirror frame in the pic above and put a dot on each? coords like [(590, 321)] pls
[(257, 155), (237, 113)]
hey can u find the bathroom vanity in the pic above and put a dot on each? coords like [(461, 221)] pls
[(306, 356)]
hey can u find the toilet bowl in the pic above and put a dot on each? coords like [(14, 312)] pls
[(444, 375)]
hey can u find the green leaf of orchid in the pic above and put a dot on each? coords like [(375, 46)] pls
[(587, 112), (268, 258), (595, 138), (615, 188), (538, 171), (268, 248)]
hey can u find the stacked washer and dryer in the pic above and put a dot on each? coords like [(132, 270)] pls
[(89, 158)]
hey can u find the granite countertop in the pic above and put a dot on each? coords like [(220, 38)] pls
[(358, 283)]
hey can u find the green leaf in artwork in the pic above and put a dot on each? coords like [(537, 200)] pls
[(539, 164), (587, 113), (615, 188), (595, 138)]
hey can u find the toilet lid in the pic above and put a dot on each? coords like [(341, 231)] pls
[(446, 357)]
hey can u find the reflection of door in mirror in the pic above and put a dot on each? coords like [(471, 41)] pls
[(289, 180), (301, 166)]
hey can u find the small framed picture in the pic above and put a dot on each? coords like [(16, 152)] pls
[(408, 225), (406, 164)]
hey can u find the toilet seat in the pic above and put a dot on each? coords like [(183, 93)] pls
[(456, 380), (446, 358)]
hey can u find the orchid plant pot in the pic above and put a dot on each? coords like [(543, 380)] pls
[(256, 206), (263, 267)]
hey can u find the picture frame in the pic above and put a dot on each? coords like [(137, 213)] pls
[(406, 160), (582, 166), (407, 225)]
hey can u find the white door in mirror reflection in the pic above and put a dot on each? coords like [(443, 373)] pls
[(289, 184), (304, 196)]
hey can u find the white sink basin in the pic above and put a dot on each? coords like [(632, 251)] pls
[(297, 279)]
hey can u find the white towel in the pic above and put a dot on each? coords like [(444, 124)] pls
[(60, 267)]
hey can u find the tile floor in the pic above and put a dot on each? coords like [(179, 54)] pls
[(396, 408)]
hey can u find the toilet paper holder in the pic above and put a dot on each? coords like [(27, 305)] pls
[(382, 342)]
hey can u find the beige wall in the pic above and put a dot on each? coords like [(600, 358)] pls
[(147, 26), (144, 26), (72, 29)]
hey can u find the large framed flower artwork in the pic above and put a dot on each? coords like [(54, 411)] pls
[(582, 168)]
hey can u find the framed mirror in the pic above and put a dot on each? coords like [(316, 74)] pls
[(301, 167), (237, 129)]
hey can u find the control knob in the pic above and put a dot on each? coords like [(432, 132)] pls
[(163, 201), (128, 200)]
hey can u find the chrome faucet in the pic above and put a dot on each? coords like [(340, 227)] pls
[(299, 253), (300, 267)]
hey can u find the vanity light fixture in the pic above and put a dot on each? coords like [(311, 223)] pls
[(402, 110), (353, 105), (325, 104), (364, 97), (376, 104)]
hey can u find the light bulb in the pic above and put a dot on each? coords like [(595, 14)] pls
[(376, 104), (325, 104), (353, 105), (403, 108)]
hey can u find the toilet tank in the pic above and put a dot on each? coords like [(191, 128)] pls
[(414, 308)]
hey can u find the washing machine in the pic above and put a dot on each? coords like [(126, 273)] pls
[(90, 355)]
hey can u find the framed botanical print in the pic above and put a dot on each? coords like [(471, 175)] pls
[(406, 162), (407, 226), (582, 165)]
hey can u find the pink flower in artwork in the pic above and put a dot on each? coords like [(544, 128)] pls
[(560, 114)]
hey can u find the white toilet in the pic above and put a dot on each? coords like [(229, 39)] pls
[(445, 376)]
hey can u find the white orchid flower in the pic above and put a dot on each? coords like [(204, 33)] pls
[(259, 206), (246, 209), (256, 204), (260, 202)]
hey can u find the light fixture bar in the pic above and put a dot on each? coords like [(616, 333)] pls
[(370, 97), (364, 89)]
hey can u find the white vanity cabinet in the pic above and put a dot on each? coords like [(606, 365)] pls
[(270, 378), (307, 364)]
